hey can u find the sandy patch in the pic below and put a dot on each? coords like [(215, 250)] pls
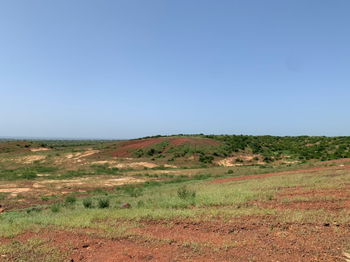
[(87, 182), (132, 165), (40, 149), (15, 191), (232, 161), (29, 159), (82, 154)]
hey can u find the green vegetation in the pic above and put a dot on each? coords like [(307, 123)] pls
[(271, 148), (70, 200), (191, 199), (29, 172), (32, 250), (103, 203), (87, 203), (274, 147), (184, 193)]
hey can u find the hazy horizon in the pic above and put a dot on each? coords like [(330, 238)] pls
[(128, 69)]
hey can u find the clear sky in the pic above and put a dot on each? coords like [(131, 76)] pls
[(127, 68)]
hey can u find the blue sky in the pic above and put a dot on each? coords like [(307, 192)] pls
[(127, 68)]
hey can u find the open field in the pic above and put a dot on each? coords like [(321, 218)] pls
[(108, 201)]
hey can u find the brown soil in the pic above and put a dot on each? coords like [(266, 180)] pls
[(329, 205), (248, 239), (309, 170), (125, 147)]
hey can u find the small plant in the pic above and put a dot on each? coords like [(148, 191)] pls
[(132, 191), (29, 175), (140, 204), (70, 200), (33, 209), (230, 171), (45, 198), (55, 208), (87, 203), (103, 203), (2, 196), (185, 193)]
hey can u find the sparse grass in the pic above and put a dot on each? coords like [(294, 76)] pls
[(32, 250), (3, 196)]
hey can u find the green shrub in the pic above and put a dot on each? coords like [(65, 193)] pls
[(70, 200), (230, 171), (87, 203), (34, 209), (45, 198), (185, 193), (28, 175), (55, 208), (103, 203), (2, 196)]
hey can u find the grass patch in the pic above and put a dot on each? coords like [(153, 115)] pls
[(32, 250)]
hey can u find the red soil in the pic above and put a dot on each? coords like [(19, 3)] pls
[(309, 170), (246, 239)]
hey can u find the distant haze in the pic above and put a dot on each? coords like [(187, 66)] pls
[(127, 69)]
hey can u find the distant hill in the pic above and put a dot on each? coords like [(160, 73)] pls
[(237, 149)]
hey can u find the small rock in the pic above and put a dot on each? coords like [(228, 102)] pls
[(125, 205), (85, 246), (2, 210), (326, 224)]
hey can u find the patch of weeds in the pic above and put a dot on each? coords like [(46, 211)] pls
[(55, 208), (130, 190), (32, 250), (103, 203), (2, 196), (28, 175), (34, 210), (140, 204), (152, 183), (99, 191), (70, 200), (185, 193), (87, 203), (230, 171), (45, 198), (105, 169)]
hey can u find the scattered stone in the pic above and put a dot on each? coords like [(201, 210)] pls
[(85, 246), (125, 205), (326, 224)]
